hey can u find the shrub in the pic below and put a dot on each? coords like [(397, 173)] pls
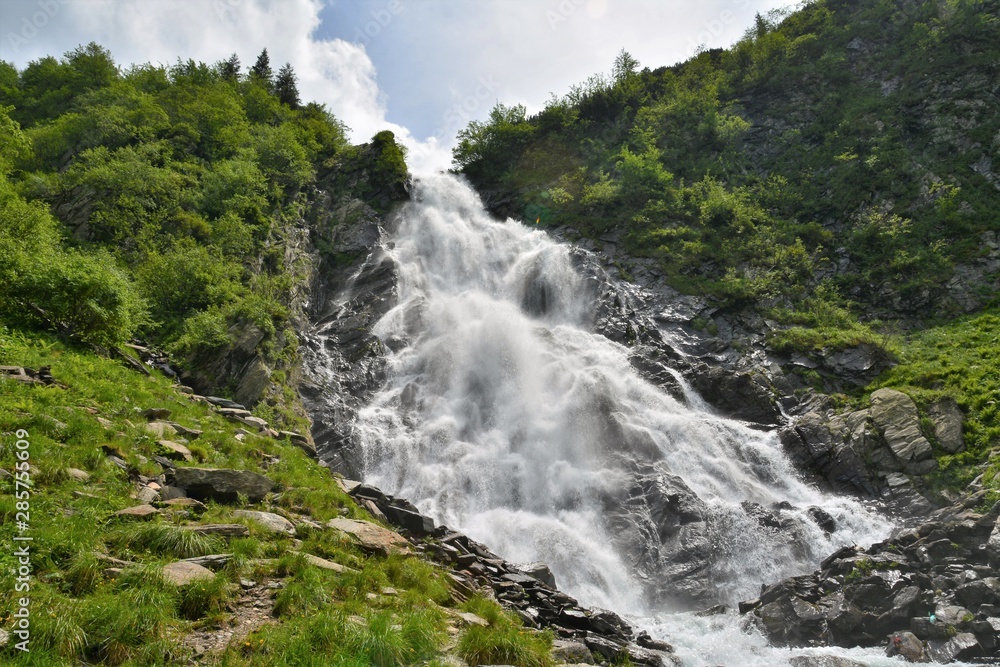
[(84, 295)]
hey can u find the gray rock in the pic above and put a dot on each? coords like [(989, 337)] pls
[(182, 573), (947, 418), (909, 646), (962, 645), (567, 650), (539, 571), (147, 495), (221, 484), (140, 512), (895, 415), (174, 450), (269, 520), (823, 661)]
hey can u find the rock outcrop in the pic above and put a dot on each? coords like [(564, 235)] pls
[(931, 592), (878, 452)]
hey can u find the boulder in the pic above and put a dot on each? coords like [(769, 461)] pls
[(823, 661), (160, 429), (224, 403), (539, 571), (140, 512), (325, 564), (182, 573), (147, 495), (269, 520), (174, 450), (823, 519), (372, 537), (221, 484), (895, 415), (573, 652), (909, 646), (962, 646)]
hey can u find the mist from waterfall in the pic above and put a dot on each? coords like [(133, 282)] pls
[(507, 418)]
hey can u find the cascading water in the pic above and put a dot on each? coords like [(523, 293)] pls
[(507, 418)]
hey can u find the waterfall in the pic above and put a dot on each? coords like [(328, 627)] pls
[(506, 417)]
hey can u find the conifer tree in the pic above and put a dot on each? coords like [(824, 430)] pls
[(285, 88), (261, 70), (229, 69)]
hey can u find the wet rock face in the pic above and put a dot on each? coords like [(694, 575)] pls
[(344, 361), (928, 594), (663, 527), (876, 452)]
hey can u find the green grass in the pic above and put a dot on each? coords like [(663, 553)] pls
[(503, 641), (960, 359), (81, 615)]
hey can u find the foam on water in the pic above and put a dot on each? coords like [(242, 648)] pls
[(496, 416)]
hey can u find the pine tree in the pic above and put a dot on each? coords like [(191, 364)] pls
[(285, 88), (261, 70), (624, 67), (229, 69)]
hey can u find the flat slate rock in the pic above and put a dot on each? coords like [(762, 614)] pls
[(182, 573), (269, 520), (325, 564), (174, 450), (372, 537), (224, 529), (141, 512), (222, 484), (160, 429)]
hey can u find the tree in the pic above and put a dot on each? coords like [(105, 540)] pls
[(285, 88), (261, 70), (625, 66), (229, 69)]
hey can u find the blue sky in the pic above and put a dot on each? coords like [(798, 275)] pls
[(422, 68)]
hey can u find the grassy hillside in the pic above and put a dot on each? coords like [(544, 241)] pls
[(97, 595), (837, 156)]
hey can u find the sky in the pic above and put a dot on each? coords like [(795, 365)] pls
[(421, 68)]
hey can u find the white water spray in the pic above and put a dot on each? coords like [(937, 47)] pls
[(506, 418)]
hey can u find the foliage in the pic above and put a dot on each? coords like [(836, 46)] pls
[(81, 614), (153, 201), (749, 173)]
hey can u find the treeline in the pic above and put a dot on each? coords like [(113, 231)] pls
[(834, 157), (151, 200)]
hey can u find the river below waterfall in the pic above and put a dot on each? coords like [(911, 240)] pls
[(505, 416)]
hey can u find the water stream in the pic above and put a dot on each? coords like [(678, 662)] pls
[(507, 418)]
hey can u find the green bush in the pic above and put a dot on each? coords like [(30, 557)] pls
[(82, 294)]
